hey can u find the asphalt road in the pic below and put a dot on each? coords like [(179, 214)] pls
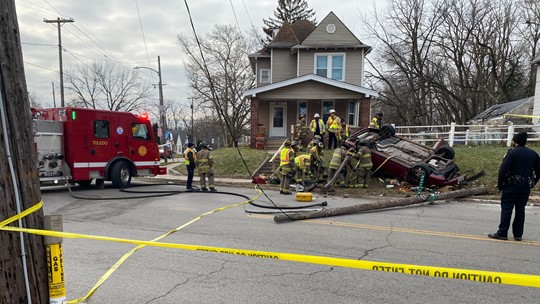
[(450, 234)]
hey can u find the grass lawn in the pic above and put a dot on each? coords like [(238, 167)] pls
[(470, 159), (228, 163)]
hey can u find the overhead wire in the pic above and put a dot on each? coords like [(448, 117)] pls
[(220, 108)]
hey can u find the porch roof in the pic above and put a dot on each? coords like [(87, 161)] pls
[(335, 83)]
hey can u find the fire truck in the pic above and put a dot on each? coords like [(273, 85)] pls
[(79, 145)]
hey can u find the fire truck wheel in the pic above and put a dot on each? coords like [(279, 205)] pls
[(120, 176)]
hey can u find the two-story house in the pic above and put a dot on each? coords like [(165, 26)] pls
[(308, 69)]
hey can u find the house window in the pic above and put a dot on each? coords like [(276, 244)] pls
[(265, 76), (326, 107), (330, 66), (351, 117), (302, 108)]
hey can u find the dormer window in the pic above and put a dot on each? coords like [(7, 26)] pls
[(330, 65), (264, 76)]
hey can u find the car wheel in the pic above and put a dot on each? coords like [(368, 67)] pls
[(387, 131), (446, 152), (421, 169), (120, 175)]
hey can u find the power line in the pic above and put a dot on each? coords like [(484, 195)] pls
[(39, 66), (142, 31)]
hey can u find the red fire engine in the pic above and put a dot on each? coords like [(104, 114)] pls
[(81, 145)]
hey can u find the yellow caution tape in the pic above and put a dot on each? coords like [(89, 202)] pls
[(410, 269), (132, 251), (22, 214)]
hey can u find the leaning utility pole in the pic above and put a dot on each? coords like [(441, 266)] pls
[(22, 256), (59, 23)]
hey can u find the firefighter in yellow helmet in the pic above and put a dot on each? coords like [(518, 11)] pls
[(286, 165)]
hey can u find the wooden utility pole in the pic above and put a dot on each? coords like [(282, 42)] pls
[(22, 256), (59, 23), (285, 217)]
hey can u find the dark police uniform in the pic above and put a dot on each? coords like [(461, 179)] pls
[(519, 172)]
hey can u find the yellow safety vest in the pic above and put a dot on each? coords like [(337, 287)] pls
[(285, 158), (301, 161), (375, 123), (186, 158), (333, 124), (313, 125)]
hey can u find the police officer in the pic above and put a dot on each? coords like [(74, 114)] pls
[(518, 173)]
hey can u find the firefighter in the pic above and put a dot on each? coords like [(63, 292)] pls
[(343, 132), (361, 164), (317, 126), (316, 160), (337, 158), (286, 165), (205, 165), (376, 122), (190, 160), (303, 168), (333, 125), (301, 132)]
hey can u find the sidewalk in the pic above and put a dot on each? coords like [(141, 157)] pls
[(173, 175)]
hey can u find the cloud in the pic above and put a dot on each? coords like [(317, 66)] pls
[(111, 30)]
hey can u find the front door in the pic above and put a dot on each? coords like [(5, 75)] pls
[(278, 121)]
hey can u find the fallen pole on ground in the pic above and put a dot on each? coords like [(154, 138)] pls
[(378, 205)]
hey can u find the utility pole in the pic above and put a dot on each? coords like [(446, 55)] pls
[(23, 270), (192, 135), (53, 95), (59, 23), (161, 107)]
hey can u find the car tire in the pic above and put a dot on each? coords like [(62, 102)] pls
[(120, 175), (421, 169), (446, 152), (387, 131)]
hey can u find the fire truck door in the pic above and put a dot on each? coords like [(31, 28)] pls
[(100, 144)]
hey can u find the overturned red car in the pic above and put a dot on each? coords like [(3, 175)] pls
[(407, 160)]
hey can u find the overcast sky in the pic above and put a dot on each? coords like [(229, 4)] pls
[(111, 30)]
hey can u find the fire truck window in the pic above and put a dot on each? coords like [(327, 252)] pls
[(139, 131), (101, 129)]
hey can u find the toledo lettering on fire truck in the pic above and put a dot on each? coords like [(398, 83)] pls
[(80, 145)]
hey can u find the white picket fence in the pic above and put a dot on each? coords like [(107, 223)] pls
[(467, 134)]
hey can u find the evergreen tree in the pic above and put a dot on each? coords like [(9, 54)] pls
[(290, 11)]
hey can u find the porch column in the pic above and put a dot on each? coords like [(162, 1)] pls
[(254, 120), (365, 112)]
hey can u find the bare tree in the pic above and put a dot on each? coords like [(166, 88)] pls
[(106, 85), (443, 61), (218, 81)]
